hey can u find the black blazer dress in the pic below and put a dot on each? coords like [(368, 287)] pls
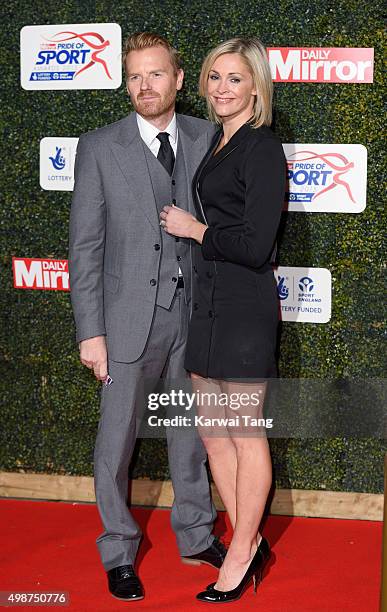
[(239, 194)]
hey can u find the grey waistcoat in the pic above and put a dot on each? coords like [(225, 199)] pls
[(166, 189)]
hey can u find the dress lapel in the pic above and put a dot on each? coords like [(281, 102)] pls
[(214, 160), (211, 161), (196, 181)]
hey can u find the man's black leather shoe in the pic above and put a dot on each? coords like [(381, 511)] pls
[(124, 584), (214, 555)]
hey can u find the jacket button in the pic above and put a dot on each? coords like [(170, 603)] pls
[(209, 274), (173, 200), (195, 269), (174, 279), (173, 182), (210, 314), (153, 282), (195, 306), (178, 258), (156, 247)]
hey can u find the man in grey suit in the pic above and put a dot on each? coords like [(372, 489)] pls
[(130, 290)]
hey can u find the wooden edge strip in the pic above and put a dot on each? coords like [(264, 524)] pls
[(383, 590), (291, 502)]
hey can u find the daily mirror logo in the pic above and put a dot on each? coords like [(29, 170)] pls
[(304, 294), (321, 65), (326, 177), (76, 56), (57, 158), (40, 273)]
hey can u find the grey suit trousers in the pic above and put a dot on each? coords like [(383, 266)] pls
[(193, 512)]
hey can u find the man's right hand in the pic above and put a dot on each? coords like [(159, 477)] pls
[(93, 354)]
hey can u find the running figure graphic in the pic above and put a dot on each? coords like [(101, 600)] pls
[(87, 37), (339, 170)]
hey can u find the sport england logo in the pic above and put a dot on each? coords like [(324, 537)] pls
[(304, 294), (326, 177), (321, 64), (306, 284), (57, 157), (40, 274), (80, 56)]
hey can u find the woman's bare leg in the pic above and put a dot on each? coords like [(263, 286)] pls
[(253, 481), (220, 449)]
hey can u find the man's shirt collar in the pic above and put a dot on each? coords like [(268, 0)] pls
[(149, 132)]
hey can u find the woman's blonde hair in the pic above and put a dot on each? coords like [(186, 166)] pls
[(254, 55)]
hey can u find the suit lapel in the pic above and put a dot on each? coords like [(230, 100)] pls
[(194, 148), (129, 153)]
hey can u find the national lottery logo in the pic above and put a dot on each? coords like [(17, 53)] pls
[(326, 177), (71, 56), (282, 289), (76, 52), (58, 161)]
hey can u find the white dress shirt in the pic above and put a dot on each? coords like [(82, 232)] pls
[(149, 132)]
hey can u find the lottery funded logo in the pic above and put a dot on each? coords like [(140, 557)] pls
[(77, 56), (326, 177), (57, 158), (304, 294)]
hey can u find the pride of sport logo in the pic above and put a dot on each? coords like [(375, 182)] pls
[(326, 177), (40, 273), (321, 65), (78, 56)]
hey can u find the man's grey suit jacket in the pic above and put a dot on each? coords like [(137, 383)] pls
[(114, 225)]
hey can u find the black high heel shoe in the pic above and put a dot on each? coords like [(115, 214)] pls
[(254, 572)]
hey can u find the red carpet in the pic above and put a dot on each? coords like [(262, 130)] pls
[(320, 565)]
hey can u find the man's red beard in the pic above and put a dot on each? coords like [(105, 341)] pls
[(153, 108)]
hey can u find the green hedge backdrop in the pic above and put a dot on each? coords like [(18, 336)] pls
[(50, 402)]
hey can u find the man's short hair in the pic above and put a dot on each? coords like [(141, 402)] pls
[(146, 40)]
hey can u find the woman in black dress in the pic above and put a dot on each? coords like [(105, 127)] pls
[(238, 193)]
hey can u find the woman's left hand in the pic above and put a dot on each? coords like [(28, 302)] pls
[(177, 221)]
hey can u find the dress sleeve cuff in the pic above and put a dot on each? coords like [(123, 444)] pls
[(207, 245)]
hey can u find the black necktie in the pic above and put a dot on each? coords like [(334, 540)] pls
[(165, 155)]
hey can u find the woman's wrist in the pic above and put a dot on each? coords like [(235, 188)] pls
[(198, 230)]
